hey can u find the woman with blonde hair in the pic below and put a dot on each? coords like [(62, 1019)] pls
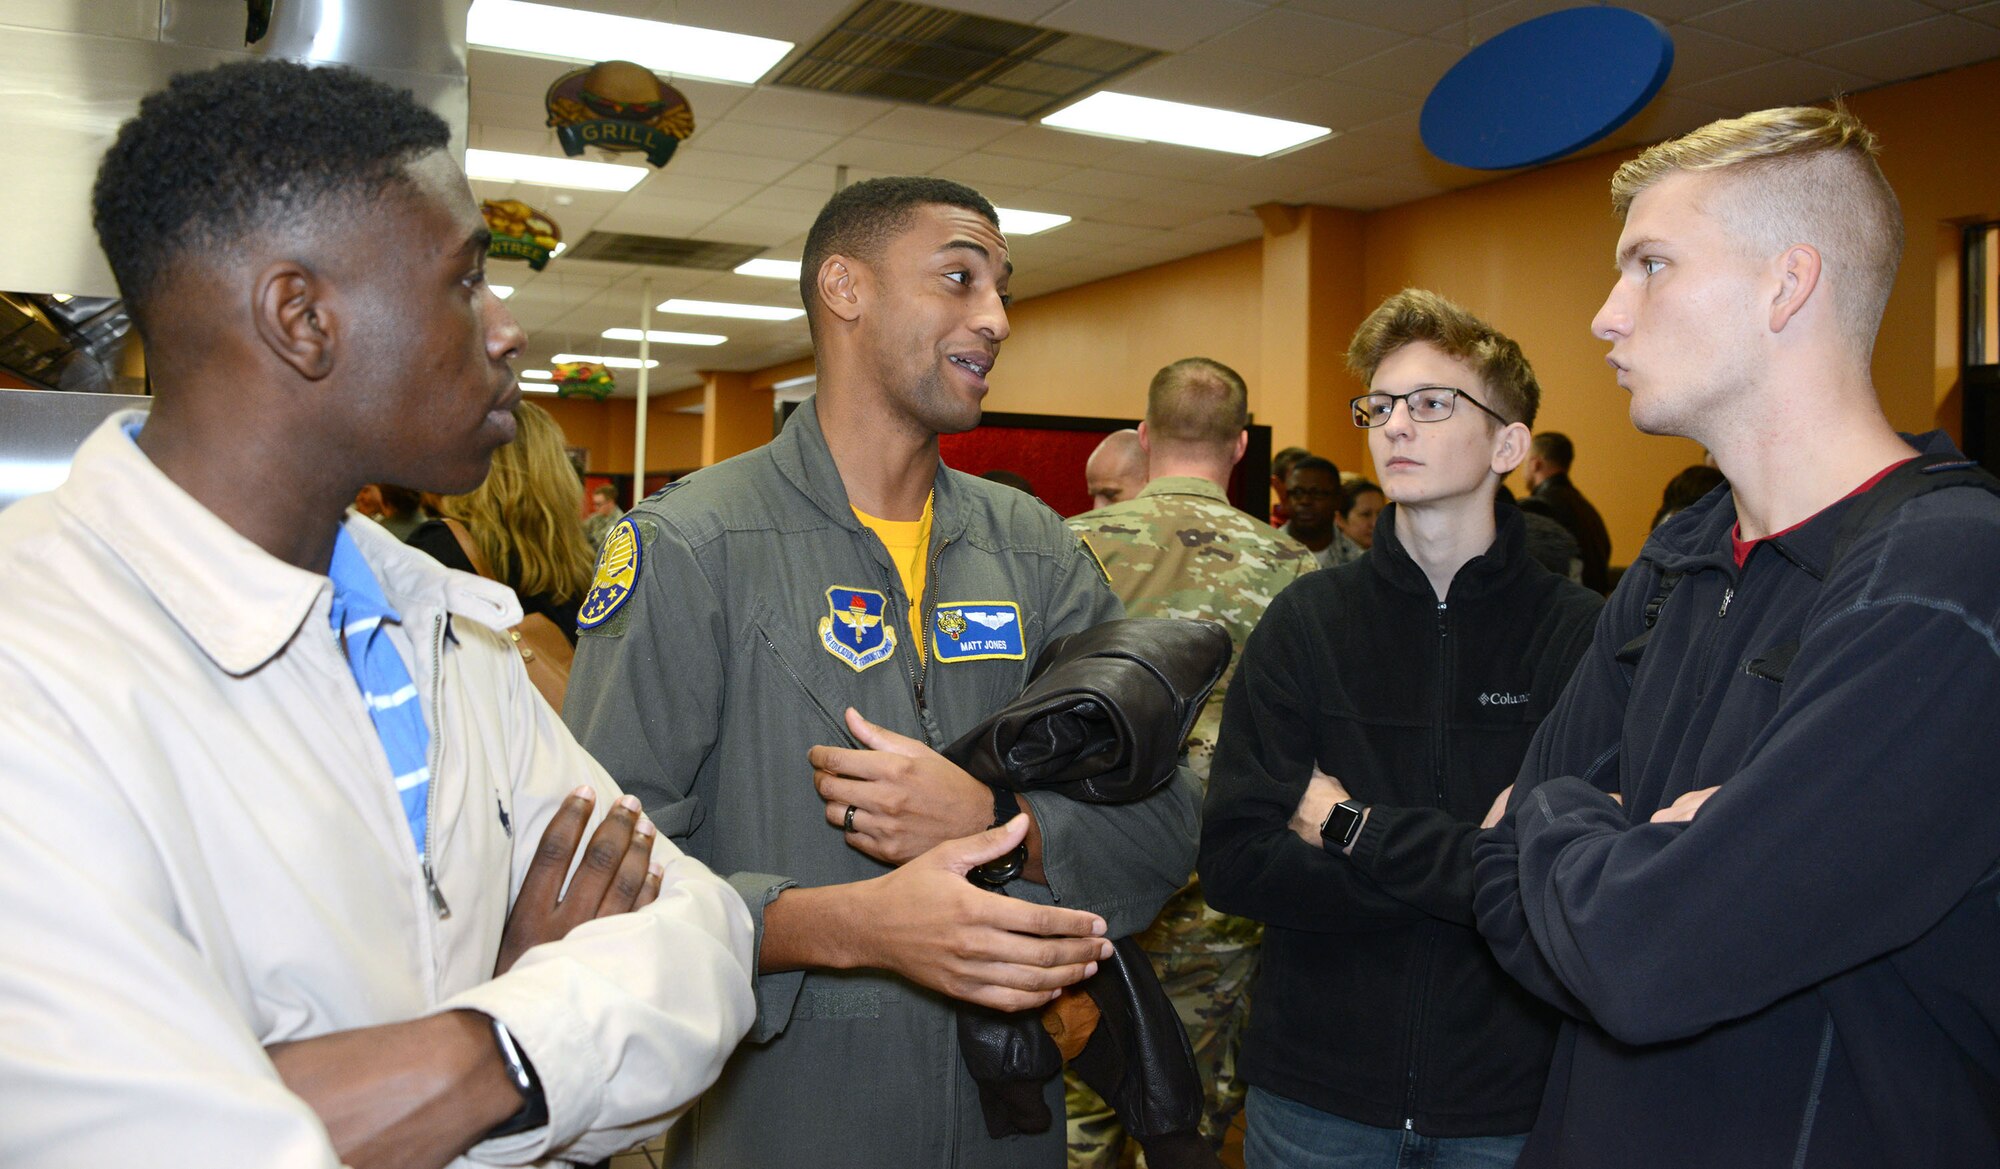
[(524, 525)]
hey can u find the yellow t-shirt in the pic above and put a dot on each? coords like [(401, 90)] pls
[(908, 541)]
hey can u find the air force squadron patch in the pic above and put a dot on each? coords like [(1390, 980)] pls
[(617, 572), (977, 631), (853, 629)]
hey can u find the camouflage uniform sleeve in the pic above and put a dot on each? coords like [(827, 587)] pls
[(1121, 861)]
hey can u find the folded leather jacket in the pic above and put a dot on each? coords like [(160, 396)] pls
[(1103, 719)]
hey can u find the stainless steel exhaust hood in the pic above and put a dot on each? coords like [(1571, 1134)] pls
[(72, 70)]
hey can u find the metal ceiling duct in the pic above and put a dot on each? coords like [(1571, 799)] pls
[(71, 71)]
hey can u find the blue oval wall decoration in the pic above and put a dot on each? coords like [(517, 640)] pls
[(1546, 87)]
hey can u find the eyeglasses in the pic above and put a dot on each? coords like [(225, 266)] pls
[(1427, 404)]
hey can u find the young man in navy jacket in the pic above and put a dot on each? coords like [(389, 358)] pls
[(1752, 852), (1379, 708)]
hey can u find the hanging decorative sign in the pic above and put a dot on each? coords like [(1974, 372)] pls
[(519, 232), (1546, 87), (583, 379), (616, 105)]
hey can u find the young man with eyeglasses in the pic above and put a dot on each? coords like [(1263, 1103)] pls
[(1378, 709)]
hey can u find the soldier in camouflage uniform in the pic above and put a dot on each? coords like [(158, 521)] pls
[(1180, 550)]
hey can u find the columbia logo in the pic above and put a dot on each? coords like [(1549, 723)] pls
[(1501, 698)]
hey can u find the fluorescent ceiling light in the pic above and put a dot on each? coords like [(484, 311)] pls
[(1121, 115), (540, 390), (558, 250), (1015, 222), (663, 337), (503, 167), (801, 380), (775, 269), (537, 375), (718, 308), (544, 30), (613, 362), (503, 291)]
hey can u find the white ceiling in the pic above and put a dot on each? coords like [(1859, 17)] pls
[(763, 158)]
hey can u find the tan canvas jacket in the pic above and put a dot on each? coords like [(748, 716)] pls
[(202, 852)]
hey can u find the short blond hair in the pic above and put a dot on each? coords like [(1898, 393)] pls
[(1197, 400), (1798, 174), (1415, 315)]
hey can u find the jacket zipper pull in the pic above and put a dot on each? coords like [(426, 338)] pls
[(1728, 595), (437, 896)]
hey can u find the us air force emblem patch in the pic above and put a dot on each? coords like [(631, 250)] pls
[(617, 572), (977, 631), (853, 629)]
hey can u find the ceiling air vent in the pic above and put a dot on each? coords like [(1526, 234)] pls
[(914, 53), (617, 247)]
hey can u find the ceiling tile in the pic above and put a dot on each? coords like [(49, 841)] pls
[(824, 177), (944, 128), (798, 109), (1942, 42), (1019, 11), (896, 158), (1703, 56), (668, 217), (695, 162), (1168, 161), (1369, 193), (777, 198), (1112, 184), (1413, 17), (755, 225), (983, 170), (1787, 81), (731, 136), (799, 21), (1412, 67), (1334, 104), (1208, 81), (1231, 227), (1068, 202), (1047, 145), (1667, 116), (1484, 26), (1171, 28), (1986, 13), (496, 107), (1298, 42), (1826, 22), (679, 184)]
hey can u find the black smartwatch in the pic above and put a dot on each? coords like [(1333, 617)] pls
[(534, 1111), (1342, 823), (1004, 868)]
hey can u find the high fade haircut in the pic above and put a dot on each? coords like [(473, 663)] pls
[(1553, 447), (1797, 174), (862, 218), (1197, 400), (1415, 315), (243, 146)]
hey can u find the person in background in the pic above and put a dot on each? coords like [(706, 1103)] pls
[(1362, 501), (1116, 469), (1686, 489), (1550, 492), (522, 520), (1014, 479), (804, 627), (1751, 855), (604, 512), (1379, 708), (398, 509), (1315, 495), (285, 834), (1181, 550), (1281, 466)]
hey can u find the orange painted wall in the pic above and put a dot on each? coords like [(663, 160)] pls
[(673, 441), (1092, 349)]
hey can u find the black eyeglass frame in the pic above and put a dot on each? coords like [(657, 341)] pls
[(1354, 405)]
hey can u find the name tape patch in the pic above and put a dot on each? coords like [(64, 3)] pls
[(976, 631)]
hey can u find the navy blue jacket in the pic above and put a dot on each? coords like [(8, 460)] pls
[(1807, 975)]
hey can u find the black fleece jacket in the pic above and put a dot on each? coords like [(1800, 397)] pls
[(1375, 999), (1807, 974)]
